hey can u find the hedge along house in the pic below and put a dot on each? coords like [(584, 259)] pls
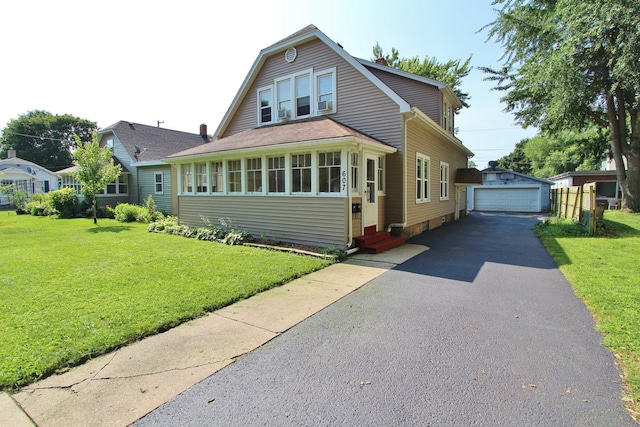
[(139, 149), (320, 148)]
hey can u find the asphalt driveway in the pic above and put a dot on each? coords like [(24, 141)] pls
[(481, 330)]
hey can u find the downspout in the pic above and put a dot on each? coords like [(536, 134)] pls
[(403, 224)]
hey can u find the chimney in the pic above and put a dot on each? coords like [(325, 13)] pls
[(381, 61), (203, 131), (11, 153)]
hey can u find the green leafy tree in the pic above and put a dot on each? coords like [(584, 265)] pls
[(44, 138), (572, 62), (517, 160), (450, 72), (95, 169)]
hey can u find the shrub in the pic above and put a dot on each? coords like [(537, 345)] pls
[(64, 201), (126, 212), (229, 236)]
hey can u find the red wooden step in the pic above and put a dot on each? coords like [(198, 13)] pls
[(383, 245), (368, 239)]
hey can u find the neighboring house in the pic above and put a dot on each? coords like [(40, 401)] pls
[(607, 188), (26, 176), (319, 147), (508, 191), (139, 150)]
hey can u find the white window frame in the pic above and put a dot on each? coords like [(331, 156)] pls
[(423, 171), (381, 174), (186, 179), (217, 176), (237, 174), (274, 111), (201, 176), (276, 164), (444, 181), (330, 169), (289, 82), (254, 176), (355, 172), (156, 182), (308, 167)]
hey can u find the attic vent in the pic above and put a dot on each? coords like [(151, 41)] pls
[(291, 54)]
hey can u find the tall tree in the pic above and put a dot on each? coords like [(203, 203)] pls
[(517, 160), (44, 138), (95, 169), (450, 72), (571, 62)]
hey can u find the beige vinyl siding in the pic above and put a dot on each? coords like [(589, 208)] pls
[(360, 104), (316, 221), (421, 140), (421, 95), (146, 178), (381, 212)]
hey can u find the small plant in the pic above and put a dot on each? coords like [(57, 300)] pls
[(334, 252)]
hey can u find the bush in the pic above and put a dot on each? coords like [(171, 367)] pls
[(64, 201), (126, 212)]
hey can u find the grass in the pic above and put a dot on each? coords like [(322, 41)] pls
[(70, 290), (605, 273)]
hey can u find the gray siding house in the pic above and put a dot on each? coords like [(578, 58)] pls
[(139, 149), (508, 191), (322, 148)]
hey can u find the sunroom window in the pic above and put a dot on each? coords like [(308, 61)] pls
[(276, 174), (201, 178), (216, 177), (301, 173), (329, 172), (234, 176), (254, 175)]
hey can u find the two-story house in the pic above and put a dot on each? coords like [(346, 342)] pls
[(319, 147)]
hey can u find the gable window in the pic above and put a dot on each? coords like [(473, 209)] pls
[(201, 178), (158, 183), (187, 179), (265, 100), (276, 174), (325, 83), (216, 177), (380, 173), (283, 88), (423, 166), (444, 181), (329, 172), (355, 160), (234, 176), (254, 175), (303, 96), (301, 173)]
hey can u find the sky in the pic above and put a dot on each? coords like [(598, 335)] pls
[(182, 63)]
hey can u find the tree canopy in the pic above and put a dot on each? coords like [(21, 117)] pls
[(569, 63), (95, 168), (549, 154), (450, 72), (44, 138)]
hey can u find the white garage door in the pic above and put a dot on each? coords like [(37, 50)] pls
[(506, 199)]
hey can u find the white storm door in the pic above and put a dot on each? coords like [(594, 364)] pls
[(370, 199)]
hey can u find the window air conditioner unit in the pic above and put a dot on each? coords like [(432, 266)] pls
[(324, 106), (283, 114)]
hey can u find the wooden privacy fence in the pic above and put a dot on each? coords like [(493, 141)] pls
[(578, 203)]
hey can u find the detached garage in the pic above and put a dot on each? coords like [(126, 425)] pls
[(509, 191)]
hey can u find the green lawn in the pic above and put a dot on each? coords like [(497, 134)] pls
[(605, 273), (70, 290)]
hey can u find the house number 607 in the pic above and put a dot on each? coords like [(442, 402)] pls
[(344, 180)]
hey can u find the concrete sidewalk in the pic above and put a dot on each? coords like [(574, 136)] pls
[(118, 388)]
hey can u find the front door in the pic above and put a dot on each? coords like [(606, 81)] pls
[(370, 199)]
